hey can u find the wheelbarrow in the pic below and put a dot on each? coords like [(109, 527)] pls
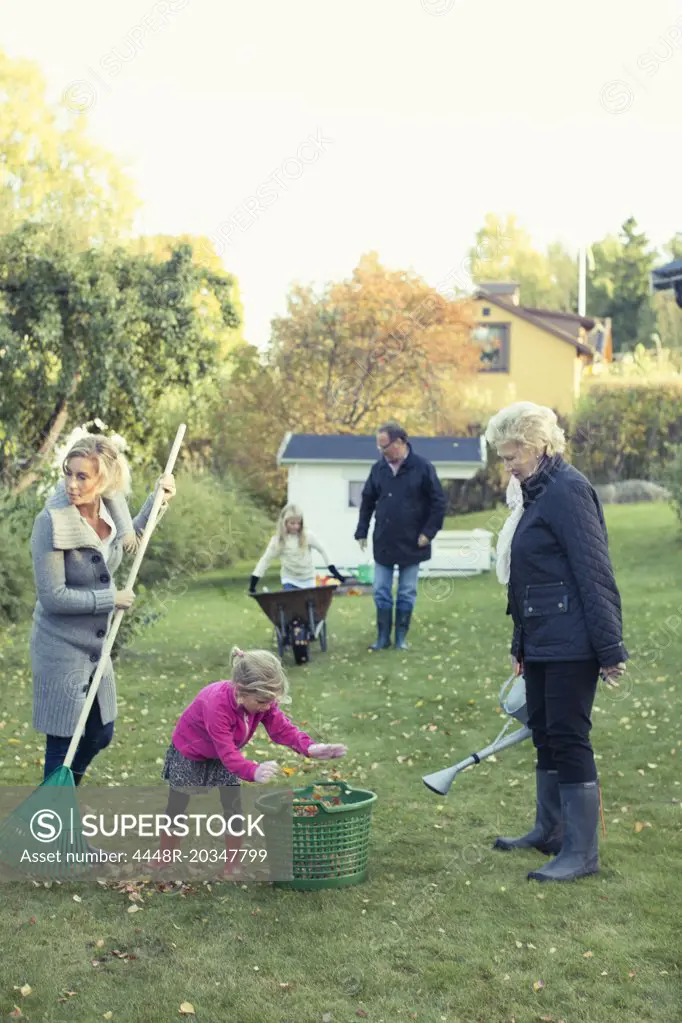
[(299, 618)]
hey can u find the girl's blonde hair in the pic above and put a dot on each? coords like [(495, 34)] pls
[(528, 425), (260, 674), (291, 511), (113, 470)]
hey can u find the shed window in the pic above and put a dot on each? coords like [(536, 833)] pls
[(355, 494)]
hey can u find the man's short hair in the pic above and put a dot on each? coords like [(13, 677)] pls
[(394, 431)]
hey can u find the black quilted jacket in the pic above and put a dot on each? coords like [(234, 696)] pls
[(563, 597), (404, 505)]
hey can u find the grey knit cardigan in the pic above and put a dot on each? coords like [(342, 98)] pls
[(75, 603)]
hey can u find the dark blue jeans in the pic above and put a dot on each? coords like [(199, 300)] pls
[(96, 737)]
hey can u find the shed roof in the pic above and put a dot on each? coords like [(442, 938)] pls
[(338, 447)]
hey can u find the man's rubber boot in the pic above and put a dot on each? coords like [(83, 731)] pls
[(579, 854), (546, 833), (402, 624), (384, 624)]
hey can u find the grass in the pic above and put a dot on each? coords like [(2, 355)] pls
[(444, 929)]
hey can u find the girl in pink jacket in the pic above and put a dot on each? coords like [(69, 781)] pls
[(205, 750)]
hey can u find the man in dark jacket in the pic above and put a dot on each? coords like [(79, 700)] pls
[(405, 495)]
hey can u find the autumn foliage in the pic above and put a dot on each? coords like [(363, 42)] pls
[(381, 344)]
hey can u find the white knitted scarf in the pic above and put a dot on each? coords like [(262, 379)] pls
[(514, 499)]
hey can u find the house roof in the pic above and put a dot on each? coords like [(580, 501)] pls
[(335, 447), (540, 318), (665, 276), (584, 321)]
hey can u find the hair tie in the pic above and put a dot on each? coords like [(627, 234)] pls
[(238, 652)]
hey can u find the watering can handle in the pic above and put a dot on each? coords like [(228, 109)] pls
[(506, 687)]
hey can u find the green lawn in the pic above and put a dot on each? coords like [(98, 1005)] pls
[(444, 929)]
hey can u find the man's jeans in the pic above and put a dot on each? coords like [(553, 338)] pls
[(407, 586)]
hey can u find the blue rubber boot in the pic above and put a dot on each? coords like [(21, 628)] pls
[(384, 624), (402, 624)]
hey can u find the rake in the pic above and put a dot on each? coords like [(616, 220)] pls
[(44, 836)]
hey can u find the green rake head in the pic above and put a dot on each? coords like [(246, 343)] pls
[(43, 838)]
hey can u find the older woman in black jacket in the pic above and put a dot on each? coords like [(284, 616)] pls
[(562, 596)]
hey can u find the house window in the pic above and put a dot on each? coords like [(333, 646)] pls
[(355, 494), (493, 342)]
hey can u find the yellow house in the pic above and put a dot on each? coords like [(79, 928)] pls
[(527, 354)]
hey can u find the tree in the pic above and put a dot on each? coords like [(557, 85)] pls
[(161, 246), (96, 333), (504, 251), (619, 286), (50, 172), (382, 343)]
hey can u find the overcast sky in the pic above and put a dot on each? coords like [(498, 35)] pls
[(423, 116)]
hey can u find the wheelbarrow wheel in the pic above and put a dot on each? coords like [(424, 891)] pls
[(323, 637), (301, 654)]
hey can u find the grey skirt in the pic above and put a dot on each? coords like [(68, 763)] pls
[(182, 773)]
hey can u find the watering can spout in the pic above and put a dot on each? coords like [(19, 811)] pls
[(513, 701)]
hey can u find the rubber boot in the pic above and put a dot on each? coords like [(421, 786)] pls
[(402, 624), (579, 854), (168, 844), (546, 833), (384, 624)]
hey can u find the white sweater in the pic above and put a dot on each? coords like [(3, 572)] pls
[(296, 561)]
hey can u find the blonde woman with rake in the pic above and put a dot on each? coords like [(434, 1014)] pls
[(77, 545)]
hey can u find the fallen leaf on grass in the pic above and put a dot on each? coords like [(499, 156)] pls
[(327, 1017), (538, 985), (33, 920), (134, 908), (187, 1009), (99, 943), (16, 1013), (77, 898), (588, 955), (285, 987), (108, 1015), (363, 1015), (25, 989)]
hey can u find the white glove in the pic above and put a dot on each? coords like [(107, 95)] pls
[(327, 750), (266, 771), (363, 545)]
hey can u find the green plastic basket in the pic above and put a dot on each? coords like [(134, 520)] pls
[(330, 834)]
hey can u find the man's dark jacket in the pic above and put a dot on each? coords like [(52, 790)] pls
[(405, 505), (563, 597)]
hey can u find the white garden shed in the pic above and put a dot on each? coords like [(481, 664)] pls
[(326, 474)]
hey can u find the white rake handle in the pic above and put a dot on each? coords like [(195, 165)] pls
[(118, 617)]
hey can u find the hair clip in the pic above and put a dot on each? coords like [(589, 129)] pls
[(238, 652)]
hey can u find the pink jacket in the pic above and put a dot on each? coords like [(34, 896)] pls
[(215, 726)]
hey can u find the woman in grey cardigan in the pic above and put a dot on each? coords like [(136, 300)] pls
[(77, 544)]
